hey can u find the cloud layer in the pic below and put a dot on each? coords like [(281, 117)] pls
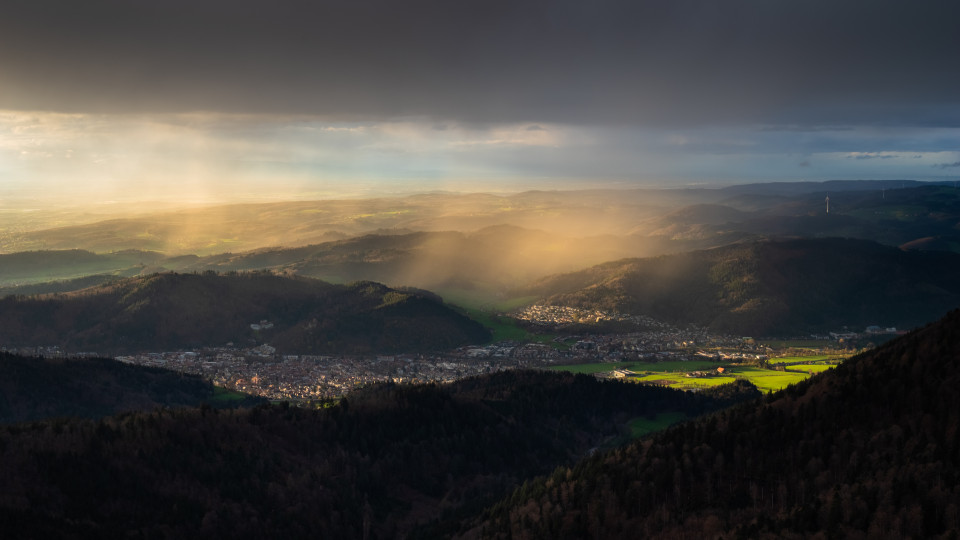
[(674, 63), (217, 156)]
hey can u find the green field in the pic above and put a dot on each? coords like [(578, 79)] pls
[(811, 368), (223, 396), (506, 328), (640, 367), (503, 328), (592, 368), (813, 358), (673, 373), (767, 379), (796, 343), (479, 298), (675, 380), (644, 426)]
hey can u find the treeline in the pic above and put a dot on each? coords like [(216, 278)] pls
[(387, 461), (184, 311), (38, 388), (57, 286), (870, 449)]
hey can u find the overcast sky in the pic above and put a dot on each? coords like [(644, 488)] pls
[(210, 98)]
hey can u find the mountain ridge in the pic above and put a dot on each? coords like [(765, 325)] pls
[(181, 311), (770, 287), (870, 449), (34, 389), (386, 462)]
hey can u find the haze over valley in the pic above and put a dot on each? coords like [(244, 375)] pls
[(645, 274), (479, 269)]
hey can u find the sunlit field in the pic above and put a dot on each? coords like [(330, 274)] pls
[(675, 373)]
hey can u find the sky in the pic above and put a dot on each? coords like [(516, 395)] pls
[(246, 100)]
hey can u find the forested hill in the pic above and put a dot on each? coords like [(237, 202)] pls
[(182, 311), (36, 388), (386, 459), (771, 287), (870, 449)]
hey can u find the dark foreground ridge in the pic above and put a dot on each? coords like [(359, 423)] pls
[(388, 461), (165, 312), (38, 388), (870, 449)]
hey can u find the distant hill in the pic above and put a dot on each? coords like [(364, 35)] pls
[(244, 227), (474, 247), (489, 260), (58, 286), (32, 389), (772, 287), (482, 262), (183, 311), (799, 188), (889, 216), (387, 462), (870, 449), (32, 267), (883, 212)]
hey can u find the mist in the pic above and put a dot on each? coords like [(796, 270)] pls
[(466, 245)]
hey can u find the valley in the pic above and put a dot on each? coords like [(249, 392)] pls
[(572, 324), (533, 289), (479, 270), (662, 355), (478, 246)]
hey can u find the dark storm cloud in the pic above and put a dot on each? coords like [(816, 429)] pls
[(873, 156), (947, 165), (676, 62)]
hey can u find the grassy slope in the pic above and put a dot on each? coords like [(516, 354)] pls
[(672, 373)]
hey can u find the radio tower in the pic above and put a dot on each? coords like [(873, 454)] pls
[(828, 204)]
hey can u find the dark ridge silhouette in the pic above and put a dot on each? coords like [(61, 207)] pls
[(32, 389), (183, 311), (870, 449), (386, 459)]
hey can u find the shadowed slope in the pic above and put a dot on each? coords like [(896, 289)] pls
[(870, 449), (181, 311), (36, 388), (386, 458), (766, 288)]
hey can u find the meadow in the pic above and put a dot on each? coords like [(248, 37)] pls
[(644, 426), (676, 368), (812, 344), (812, 358), (506, 328), (674, 373)]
